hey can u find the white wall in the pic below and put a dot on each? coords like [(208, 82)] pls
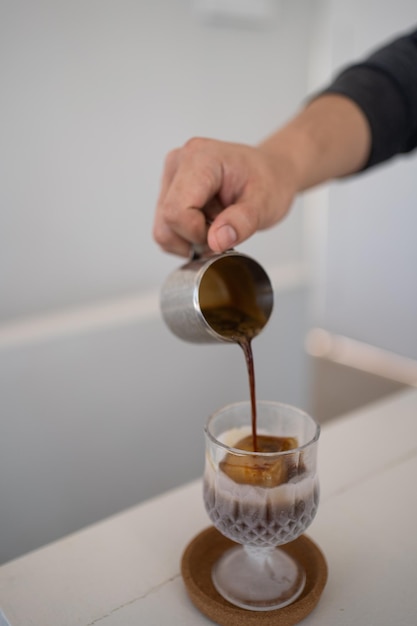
[(96, 396), (366, 253)]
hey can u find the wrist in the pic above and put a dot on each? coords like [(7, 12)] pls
[(328, 139), (290, 155)]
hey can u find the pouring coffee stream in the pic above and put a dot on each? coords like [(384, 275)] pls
[(225, 298), (242, 328)]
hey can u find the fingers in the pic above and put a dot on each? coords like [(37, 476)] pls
[(162, 231), (191, 178)]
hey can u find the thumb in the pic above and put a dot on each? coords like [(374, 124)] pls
[(232, 226)]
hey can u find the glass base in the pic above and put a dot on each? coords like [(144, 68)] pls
[(258, 579)]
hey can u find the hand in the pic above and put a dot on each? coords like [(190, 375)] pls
[(220, 193)]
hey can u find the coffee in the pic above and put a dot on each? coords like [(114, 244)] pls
[(240, 327), (263, 471), (260, 502)]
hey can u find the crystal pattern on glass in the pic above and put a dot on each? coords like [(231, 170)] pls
[(260, 499)]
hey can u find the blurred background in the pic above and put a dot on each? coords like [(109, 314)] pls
[(100, 406)]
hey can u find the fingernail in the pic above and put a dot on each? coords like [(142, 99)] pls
[(226, 237)]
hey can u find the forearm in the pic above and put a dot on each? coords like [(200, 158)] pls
[(367, 115), (329, 138)]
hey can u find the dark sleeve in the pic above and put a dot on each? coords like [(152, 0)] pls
[(384, 86)]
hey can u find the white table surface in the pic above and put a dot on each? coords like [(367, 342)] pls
[(125, 569)]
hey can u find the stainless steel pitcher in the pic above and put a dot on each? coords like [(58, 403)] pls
[(209, 283)]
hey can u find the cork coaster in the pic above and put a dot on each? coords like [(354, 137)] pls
[(204, 550)]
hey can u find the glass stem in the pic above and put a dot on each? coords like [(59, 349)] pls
[(259, 554)]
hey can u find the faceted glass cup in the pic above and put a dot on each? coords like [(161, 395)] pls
[(260, 499)]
